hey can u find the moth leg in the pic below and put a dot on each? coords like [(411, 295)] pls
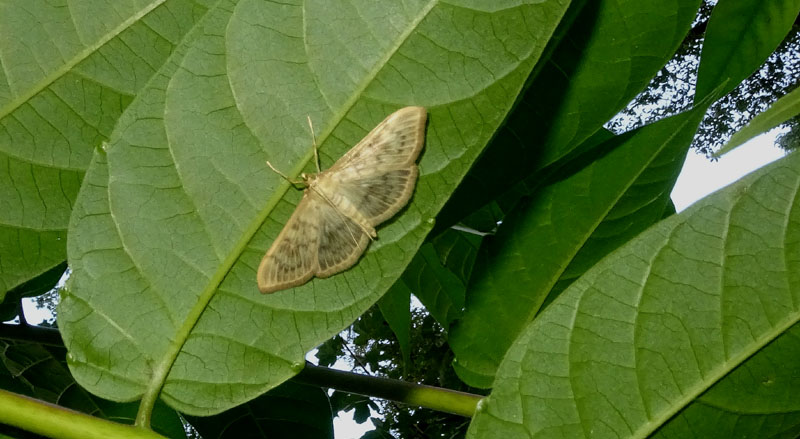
[(292, 181)]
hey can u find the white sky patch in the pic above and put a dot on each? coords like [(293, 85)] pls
[(344, 427), (700, 176)]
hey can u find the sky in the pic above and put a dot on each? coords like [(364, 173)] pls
[(701, 177)]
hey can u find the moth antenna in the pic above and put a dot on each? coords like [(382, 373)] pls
[(293, 182), (314, 142)]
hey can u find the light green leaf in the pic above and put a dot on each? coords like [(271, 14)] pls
[(740, 36), (780, 111), (69, 69), (670, 330), (169, 228)]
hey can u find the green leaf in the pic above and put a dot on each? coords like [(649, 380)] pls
[(395, 307), (609, 54), (780, 111), (170, 226), (290, 410), (543, 245), (41, 372), (361, 412), (670, 331), (740, 36), (612, 51), (69, 70), (439, 273)]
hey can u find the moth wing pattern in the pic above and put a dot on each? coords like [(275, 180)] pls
[(378, 175), (341, 240), (291, 260), (395, 142), (333, 223), (318, 240)]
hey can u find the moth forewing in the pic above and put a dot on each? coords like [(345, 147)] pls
[(341, 242), (394, 142), (291, 260), (332, 225)]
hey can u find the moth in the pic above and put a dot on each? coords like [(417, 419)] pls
[(336, 218)]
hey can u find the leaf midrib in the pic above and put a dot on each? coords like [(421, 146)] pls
[(162, 369), (81, 55)]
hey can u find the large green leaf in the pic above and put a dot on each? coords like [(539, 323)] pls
[(560, 233), (740, 36), (170, 226), (69, 69), (669, 332)]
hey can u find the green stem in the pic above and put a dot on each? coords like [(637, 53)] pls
[(436, 398), (58, 422)]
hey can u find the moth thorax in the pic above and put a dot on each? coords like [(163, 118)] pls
[(309, 179)]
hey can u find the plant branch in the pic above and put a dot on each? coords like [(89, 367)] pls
[(58, 422), (436, 398), (31, 334)]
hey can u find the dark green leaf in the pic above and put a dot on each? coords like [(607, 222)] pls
[(395, 307), (328, 352), (41, 372), (740, 36), (439, 273), (362, 412), (609, 53), (10, 306), (555, 237), (290, 410)]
